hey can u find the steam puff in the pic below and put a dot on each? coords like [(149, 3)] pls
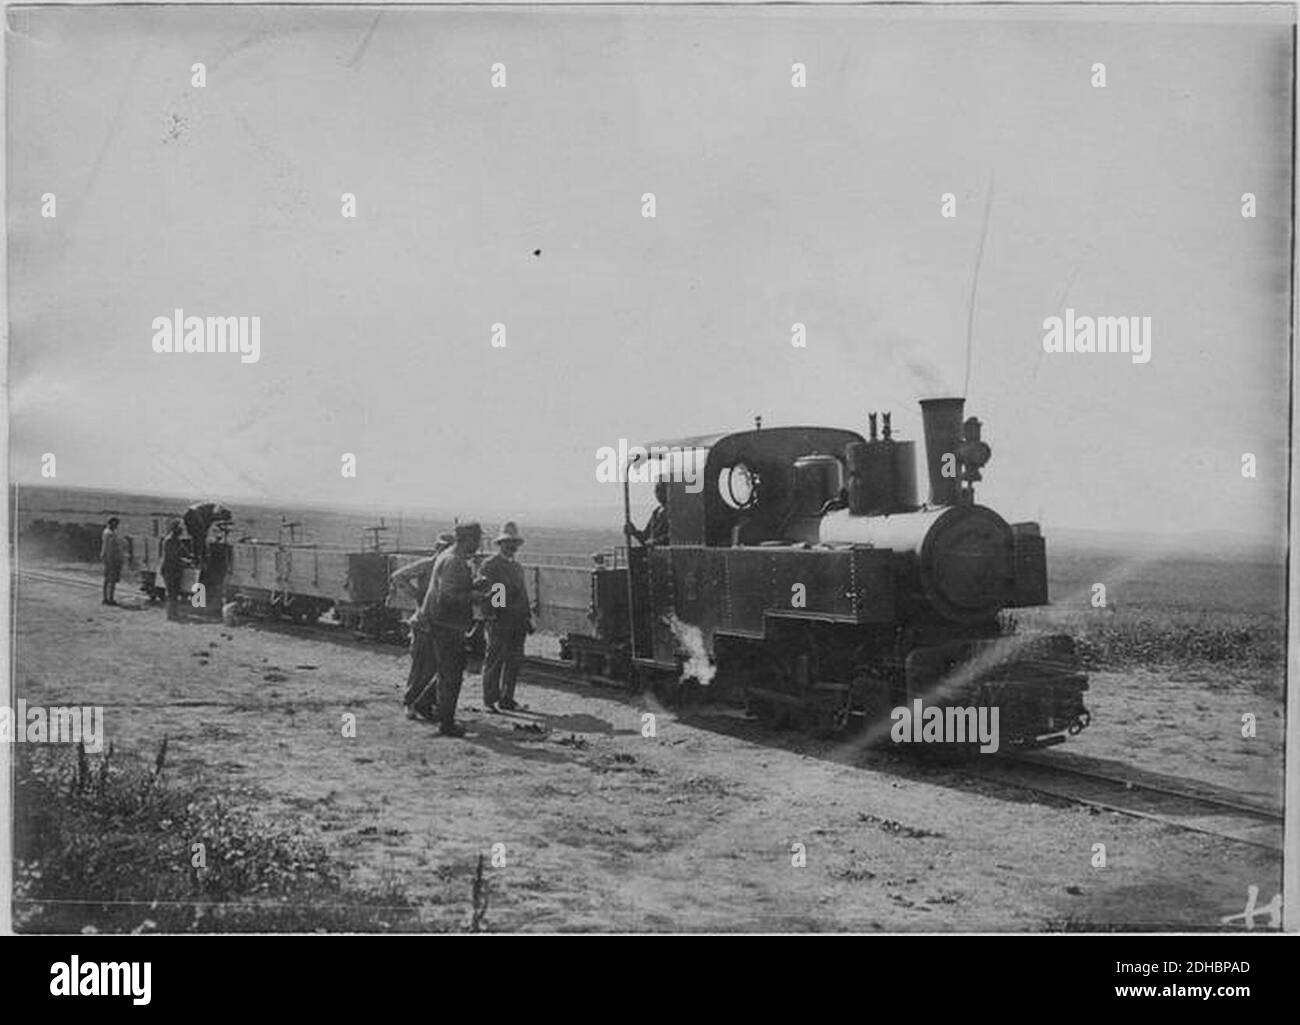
[(690, 641), (928, 376)]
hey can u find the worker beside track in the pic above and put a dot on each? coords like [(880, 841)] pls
[(414, 580), (449, 608)]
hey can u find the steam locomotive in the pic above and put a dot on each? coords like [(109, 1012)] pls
[(805, 576)]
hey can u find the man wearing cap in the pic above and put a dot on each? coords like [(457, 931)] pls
[(110, 553), (509, 619), (448, 606), (414, 581)]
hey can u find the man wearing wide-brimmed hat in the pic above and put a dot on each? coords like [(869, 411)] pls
[(509, 619), (413, 580), (449, 608)]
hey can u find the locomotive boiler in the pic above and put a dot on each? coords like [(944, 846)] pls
[(806, 576)]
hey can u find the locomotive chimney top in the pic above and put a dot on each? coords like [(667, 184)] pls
[(943, 438), (871, 419), (886, 432)]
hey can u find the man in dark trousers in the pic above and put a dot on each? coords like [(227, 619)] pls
[(198, 520), (414, 579), (449, 608), (509, 619), (172, 565), (111, 554)]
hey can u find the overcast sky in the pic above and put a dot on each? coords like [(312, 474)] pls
[(775, 205)]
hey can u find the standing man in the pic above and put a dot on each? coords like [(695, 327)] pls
[(413, 580), (449, 608), (172, 565), (110, 554), (509, 619), (198, 520)]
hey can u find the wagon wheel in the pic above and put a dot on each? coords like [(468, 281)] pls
[(624, 670)]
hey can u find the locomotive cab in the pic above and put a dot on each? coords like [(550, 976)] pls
[(763, 486)]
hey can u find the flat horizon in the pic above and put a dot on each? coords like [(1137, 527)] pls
[(596, 518)]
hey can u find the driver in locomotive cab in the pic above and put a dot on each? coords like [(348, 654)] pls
[(656, 528)]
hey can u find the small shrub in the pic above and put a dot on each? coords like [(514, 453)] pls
[(107, 847)]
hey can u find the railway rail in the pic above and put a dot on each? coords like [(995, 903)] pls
[(55, 577), (1183, 804)]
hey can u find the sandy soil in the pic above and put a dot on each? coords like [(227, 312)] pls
[(693, 829)]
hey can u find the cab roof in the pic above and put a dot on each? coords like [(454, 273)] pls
[(733, 438)]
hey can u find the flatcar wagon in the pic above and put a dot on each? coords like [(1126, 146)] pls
[(304, 581)]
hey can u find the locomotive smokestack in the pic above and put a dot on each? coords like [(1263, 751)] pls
[(942, 437)]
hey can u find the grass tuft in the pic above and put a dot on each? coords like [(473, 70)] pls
[(114, 848)]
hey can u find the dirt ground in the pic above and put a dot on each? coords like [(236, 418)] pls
[(695, 828)]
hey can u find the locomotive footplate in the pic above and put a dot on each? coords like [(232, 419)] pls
[(1036, 684)]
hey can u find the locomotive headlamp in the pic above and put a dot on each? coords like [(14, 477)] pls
[(738, 486), (972, 452)]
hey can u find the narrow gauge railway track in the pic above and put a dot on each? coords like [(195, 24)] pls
[(1182, 804), (55, 577), (1179, 806), (1194, 808)]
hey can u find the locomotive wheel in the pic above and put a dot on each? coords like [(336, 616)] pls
[(947, 754), (775, 714), (873, 695), (668, 689), (829, 721)]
